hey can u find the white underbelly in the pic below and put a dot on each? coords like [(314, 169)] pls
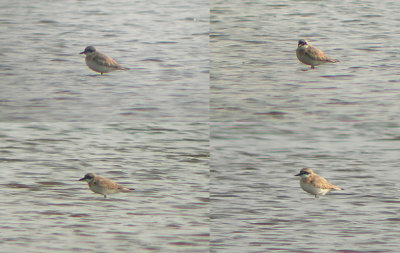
[(313, 190)]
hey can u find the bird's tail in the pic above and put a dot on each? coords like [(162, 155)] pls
[(332, 60), (122, 68), (338, 188), (124, 189)]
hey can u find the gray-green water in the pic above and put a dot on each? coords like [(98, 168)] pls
[(255, 75), (273, 116), (257, 204), (44, 208), (44, 78), (210, 125)]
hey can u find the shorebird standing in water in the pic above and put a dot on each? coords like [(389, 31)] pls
[(315, 184), (100, 62), (102, 185), (310, 55)]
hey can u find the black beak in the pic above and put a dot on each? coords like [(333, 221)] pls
[(81, 179), (82, 52), (301, 173)]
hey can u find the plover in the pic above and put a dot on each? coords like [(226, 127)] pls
[(100, 62), (103, 185), (310, 55), (314, 184)]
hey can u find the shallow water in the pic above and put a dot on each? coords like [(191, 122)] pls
[(44, 208), (341, 120), (242, 109), (257, 204), (45, 79), (256, 76)]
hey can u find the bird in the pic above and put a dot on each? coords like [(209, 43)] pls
[(102, 185), (311, 55), (315, 184), (100, 62)]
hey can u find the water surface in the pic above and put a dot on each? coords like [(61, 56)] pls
[(256, 76), (257, 204), (43, 77), (44, 208)]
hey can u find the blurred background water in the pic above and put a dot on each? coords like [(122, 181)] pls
[(44, 208), (257, 204), (43, 77), (255, 75)]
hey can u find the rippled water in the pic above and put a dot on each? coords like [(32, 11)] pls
[(43, 77), (257, 204), (341, 120), (241, 108), (44, 208), (256, 75)]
